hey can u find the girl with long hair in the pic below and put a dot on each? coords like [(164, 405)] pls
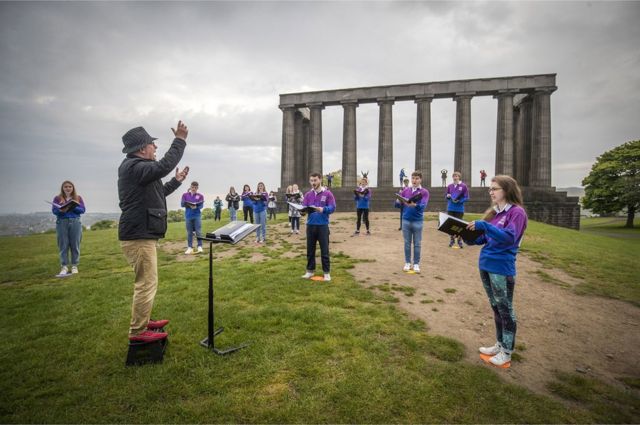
[(260, 199), (503, 226), (67, 206), (247, 203)]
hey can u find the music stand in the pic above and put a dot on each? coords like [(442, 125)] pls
[(231, 233)]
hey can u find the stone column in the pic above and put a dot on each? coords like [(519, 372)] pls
[(349, 144), (541, 141), (462, 156), (523, 142), (423, 138), (385, 143), (299, 149), (306, 141), (504, 133), (315, 142), (287, 161), (517, 144)]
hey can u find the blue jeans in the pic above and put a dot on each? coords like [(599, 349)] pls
[(412, 232), (499, 289), (194, 224), (232, 214), (69, 231), (261, 219)]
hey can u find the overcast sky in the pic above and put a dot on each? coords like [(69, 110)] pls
[(74, 77)]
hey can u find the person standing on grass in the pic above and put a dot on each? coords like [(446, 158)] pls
[(324, 204), (362, 198), (233, 203), (457, 194), (144, 218), (413, 220), (259, 201), (247, 203), (68, 226), (217, 208), (294, 197), (503, 225), (406, 185), (192, 202), (272, 206)]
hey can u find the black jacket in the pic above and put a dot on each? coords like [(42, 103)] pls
[(142, 194), (233, 200)]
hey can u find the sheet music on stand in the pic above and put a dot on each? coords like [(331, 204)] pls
[(231, 233)]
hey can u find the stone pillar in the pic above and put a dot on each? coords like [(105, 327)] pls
[(306, 141), (287, 161), (523, 142), (423, 138), (315, 130), (298, 149), (385, 143), (541, 142), (462, 156), (349, 144), (504, 133), (517, 143)]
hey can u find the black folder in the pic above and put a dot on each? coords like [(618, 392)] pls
[(457, 227)]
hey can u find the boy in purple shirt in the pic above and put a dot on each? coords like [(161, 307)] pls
[(413, 220), (362, 196), (322, 200), (457, 194), (192, 202), (503, 227)]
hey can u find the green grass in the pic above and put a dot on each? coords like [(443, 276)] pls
[(319, 352), (611, 226)]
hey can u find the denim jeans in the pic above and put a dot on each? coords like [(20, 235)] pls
[(261, 219), (412, 232), (69, 231), (194, 224), (499, 289), (232, 214)]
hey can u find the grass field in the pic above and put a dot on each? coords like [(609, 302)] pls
[(319, 352)]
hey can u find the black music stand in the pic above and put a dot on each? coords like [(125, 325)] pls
[(232, 233)]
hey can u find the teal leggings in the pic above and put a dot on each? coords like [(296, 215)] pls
[(499, 289)]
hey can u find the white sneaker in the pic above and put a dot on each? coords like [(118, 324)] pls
[(307, 275), (74, 269), (297, 232), (189, 251), (491, 351), (416, 268), (63, 271), (199, 249), (407, 267), (501, 358), (327, 277)]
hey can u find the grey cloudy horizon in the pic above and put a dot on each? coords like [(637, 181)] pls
[(74, 77)]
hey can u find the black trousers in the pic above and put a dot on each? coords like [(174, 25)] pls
[(217, 215), (320, 234), (295, 223), (247, 210), (363, 213)]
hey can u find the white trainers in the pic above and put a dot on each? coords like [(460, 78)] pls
[(327, 277), (407, 267), (416, 268), (199, 249), (501, 358), (189, 251), (74, 269), (63, 271), (307, 275), (491, 351)]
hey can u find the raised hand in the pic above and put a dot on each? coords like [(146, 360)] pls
[(181, 132), (181, 175)]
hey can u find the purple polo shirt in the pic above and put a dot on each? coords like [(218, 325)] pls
[(324, 198), (459, 192)]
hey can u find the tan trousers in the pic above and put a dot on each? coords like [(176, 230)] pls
[(141, 255)]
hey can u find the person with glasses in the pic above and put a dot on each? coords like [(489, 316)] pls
[(503, 226)]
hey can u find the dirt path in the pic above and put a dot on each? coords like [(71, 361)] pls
[(557, 329)]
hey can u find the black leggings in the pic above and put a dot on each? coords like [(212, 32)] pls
[(363, 213), (295, 223), (456, 214), (247, 210)]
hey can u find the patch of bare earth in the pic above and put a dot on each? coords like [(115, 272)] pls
[(557, 329)]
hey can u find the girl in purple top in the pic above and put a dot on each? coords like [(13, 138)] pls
[(259, 201), (68, 226), (247, 204), (503, 226)]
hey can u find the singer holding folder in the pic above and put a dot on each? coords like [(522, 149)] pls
[(503, 226), (413, 201)]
